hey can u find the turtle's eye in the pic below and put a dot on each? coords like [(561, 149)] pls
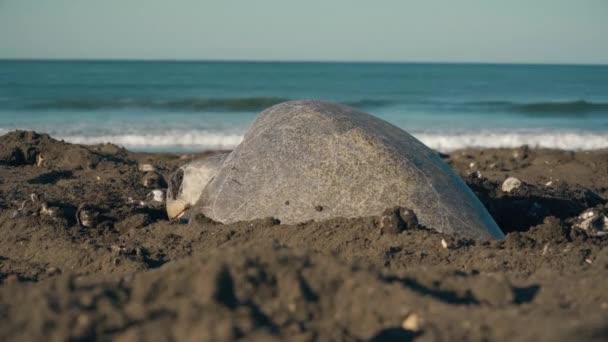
[(175, 184)]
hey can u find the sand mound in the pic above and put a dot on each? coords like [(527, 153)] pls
[(134, 275)]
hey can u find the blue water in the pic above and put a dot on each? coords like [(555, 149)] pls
[(205, 105)]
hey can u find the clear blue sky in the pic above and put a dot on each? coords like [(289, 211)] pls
[(544, 31)]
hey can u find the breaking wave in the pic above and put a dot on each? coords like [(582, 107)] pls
[(444, 142), (555, 140)]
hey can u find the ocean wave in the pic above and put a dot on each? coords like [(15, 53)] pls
[(444, 142), (187, 104), (543, 108), (236, 104)]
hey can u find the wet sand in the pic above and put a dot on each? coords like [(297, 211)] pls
[(127, 273)]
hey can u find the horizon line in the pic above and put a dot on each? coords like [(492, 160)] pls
[(294, 61)]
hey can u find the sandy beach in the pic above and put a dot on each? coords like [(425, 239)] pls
[(127, 273)]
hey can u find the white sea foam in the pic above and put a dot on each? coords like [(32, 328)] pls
[(175, 140), (444, 142), (558, 140)]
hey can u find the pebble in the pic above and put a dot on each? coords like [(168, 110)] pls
[(409, 218), (396, 220), (510, 184), (157, 195), (412, 322), (153, 180), (146, 168), (477, 175), (444, 244), (51, 271), (86, 216)]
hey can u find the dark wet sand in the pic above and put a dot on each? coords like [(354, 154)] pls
[(133, 275)]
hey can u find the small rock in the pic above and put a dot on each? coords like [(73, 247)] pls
[(471, 165), (146, 168), (476, 175), (511, 184), (409, 218), (153, 180), (522, 152), (444, 244), (48, 211), (395, 220), (592, 222), (86, 216), (51, 271), (157, 196), (412, 322)]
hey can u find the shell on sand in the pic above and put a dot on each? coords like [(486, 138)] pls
[(187, 183), (314, 160)]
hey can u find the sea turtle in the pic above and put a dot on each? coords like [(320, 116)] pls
[(187, 183), (314, 160)]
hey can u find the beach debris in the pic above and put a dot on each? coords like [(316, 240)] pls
[(39, 160), (188, 182), (146, 168), (412, 322), (30, 206), (545, 249), (86, 216), (549, 183), (153, 180), (510, 184), (444, 244), (472, 165), (47, 210), (593, 222), (308, 148)]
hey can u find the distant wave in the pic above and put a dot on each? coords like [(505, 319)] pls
[(543, 108), (367, 103), (189, 104), (238, 104), (256, 104), (176, 140)]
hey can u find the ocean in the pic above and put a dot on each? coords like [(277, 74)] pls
[(191, 106)]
